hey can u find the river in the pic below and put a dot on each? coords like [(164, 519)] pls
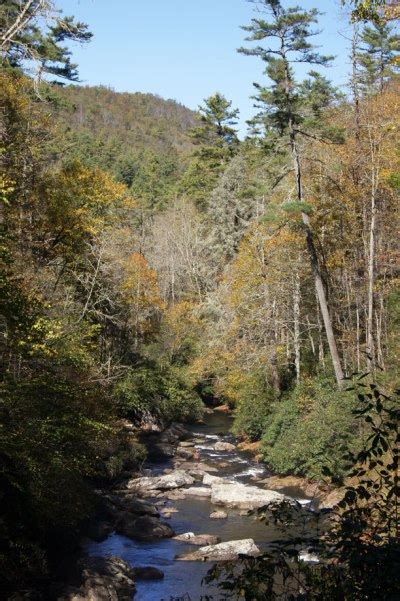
[(184, 579)]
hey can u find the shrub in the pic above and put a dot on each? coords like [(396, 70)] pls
[(357, 547), (159, 391), (309, 428), (253, 407)]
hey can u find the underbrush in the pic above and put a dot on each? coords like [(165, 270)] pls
[(158, 391), (311, 427)]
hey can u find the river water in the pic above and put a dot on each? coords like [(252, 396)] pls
[(184, 579)]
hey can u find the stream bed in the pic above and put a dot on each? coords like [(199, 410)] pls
[(184, 579)]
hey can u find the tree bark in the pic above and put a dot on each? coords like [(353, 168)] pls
[(319, 284), (296, 320)]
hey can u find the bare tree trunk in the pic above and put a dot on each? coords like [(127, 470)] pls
[(371, 271), (319, 284), (275, 378), (371, 279), (296, 320), (354, 81), (358, 337)]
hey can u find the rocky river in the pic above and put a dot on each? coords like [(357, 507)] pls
[(187, 508)]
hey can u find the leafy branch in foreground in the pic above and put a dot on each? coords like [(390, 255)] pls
[(349, 553)]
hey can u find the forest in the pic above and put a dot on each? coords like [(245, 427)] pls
[(154, 264)]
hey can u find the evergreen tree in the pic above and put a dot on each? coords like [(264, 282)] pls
[(288, 35), (218, 142), (217, 122), (34, 32), (377, 57)]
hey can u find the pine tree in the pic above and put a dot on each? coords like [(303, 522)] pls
[(288, 35), (218, 142), (33, 32), (380, 46)]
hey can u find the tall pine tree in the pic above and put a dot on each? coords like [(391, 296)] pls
[(288, 35)]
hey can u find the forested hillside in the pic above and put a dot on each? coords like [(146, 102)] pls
[(139, 138), (152, 262)]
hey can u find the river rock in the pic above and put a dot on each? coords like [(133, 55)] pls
[(188, 453), (199, 467), (209, 480), (176, 479), (218, 515), (197, 491), (222, 409), (141, 507), (159, 451), (199, 539), (308, 487), (224, 446), (227, 551), (104, 579), (186, 444), (143, 528), (148, 573), (174, 495), (235, 494)]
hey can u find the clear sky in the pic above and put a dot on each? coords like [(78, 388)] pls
[(185, 49)]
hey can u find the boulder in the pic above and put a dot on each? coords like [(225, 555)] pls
[(159, 451), (222, 409), (218, 515), (174, 495), (148, 573), (250, 447), (235, 494), (227, 551), (199, 467), (329, 500), (209, 480), (143, 528), (142, 507), (104, 579), (197, 491), (224, 446), (308, 487), (199, 539), (188, 453), (176, 479)]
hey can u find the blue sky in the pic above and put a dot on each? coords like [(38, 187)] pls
[(185, 49)]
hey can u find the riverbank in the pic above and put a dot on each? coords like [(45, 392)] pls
[(192, 494)]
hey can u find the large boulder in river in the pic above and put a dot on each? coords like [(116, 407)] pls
[(227, 551), (141, 507), (235, 494), (188, 454), (209, 480), (148, 573), (143, 528), (104, 579), (159, 450), (197, 491), (175, 479), (199, 539), (224, 446)]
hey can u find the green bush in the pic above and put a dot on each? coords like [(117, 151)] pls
[(251, 418), (160, 391), (254, 407), (51, 432), (311, 427)]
